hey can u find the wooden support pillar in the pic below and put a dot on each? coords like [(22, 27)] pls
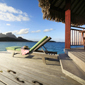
[(67, 24)]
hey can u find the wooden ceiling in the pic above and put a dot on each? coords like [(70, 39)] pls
[(77, 6)]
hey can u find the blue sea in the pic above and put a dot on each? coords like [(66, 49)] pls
[(51, 46)]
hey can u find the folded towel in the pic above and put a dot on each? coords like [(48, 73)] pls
[(24, 51)]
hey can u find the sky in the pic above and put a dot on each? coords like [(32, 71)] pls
[(25, 18)]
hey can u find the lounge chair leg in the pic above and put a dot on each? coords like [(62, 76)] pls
[(43, 58), (13, 54)]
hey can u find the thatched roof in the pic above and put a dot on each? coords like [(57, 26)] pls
[(55, 10)]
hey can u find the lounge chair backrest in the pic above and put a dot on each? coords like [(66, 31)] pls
[(38, 43), (41, 44)]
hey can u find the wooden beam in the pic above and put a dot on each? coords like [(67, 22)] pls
[(54, 2), (73, 5), (72, 1), (57, 9), (80, 8), (60, 3), (78, 27), (78, 5), (67, 23), (83, 11)]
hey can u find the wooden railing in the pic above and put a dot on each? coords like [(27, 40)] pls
[(76, 36)]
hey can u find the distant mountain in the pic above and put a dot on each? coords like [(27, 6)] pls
[(22, 39), (52, 41), (2, 35), (8, 39), (12, 37)]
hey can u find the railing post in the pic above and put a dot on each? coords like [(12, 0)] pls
[(67, 24)]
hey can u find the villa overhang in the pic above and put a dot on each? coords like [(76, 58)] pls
[(55, 10)]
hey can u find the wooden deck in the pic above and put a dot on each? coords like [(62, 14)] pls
[(71, 69), (30, 70), (78, 56)]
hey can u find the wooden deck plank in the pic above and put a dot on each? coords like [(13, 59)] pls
[(79, 62), (35, 77), (17, 75), (79, 52), (13, 77), (23, 66), (35, 64), (78, 56), (71, 69), (33, 74), (26, 62), (38, 59), (35, 61), (18, 67), (6, 80), (2, 83)]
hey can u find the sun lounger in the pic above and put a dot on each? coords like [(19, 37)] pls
[(17, 49), (45, 54)]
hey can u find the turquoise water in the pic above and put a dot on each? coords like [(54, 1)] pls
[(51, 46)]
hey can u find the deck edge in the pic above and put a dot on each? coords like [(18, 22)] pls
[(81, 81), (80, 63)]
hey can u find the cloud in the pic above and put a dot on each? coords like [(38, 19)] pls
[(36, 31), (15, 32), (47, 30), (22, 31), (8, 13), (8, 24)]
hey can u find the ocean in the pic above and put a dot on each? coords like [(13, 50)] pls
[(51, 46)]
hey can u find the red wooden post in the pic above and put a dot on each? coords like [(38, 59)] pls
[(67, 24)]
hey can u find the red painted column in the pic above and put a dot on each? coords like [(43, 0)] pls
[(67, 24)]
